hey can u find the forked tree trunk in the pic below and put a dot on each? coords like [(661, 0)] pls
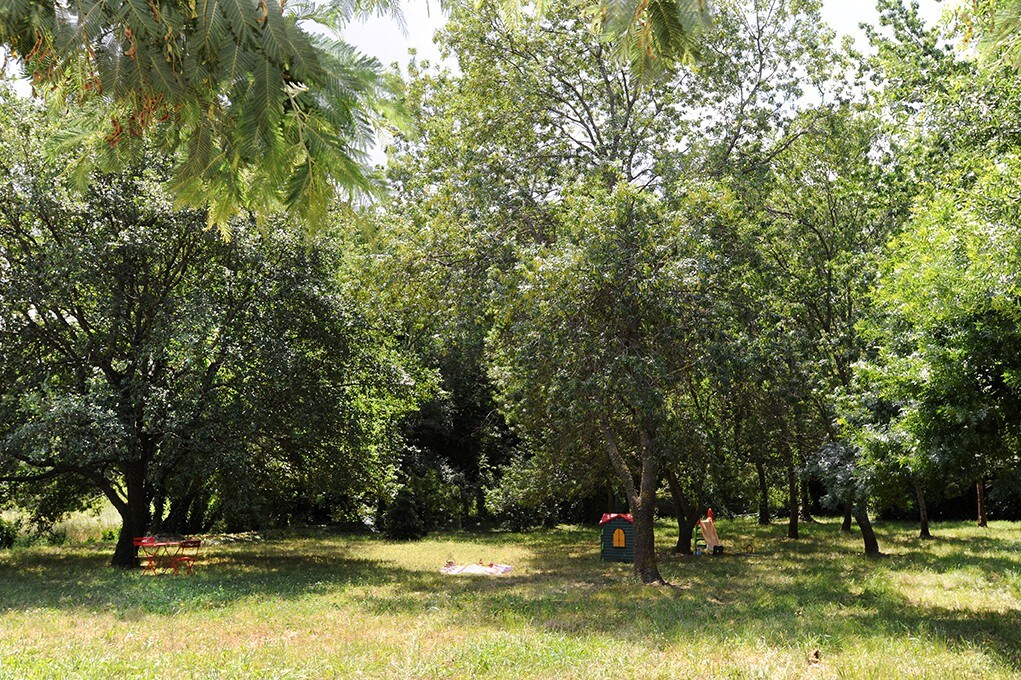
[(980, 488), (764, 518), (923, 511), (868, 534), (641, 500), (686, 512)]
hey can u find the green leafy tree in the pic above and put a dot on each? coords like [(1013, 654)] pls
[(595, 338), (185, 379), (946, 341)]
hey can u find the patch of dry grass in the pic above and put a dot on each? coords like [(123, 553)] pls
[(358, 606)]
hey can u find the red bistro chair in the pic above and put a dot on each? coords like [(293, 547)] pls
[(187, 556), (147, 552)]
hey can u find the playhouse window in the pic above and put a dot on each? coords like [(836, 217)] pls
[(618, 539)]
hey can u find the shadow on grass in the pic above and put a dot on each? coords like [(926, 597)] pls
[(817, 591), (79, 578)]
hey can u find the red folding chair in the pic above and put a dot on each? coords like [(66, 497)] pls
[(187, 555), (147, 552)]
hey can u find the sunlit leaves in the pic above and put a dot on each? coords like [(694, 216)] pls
[(253, 102)]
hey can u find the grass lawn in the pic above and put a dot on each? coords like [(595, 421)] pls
[(356, 606)]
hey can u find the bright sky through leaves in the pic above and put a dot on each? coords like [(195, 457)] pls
[(385, 38)]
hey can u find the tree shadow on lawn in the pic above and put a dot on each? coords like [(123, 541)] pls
[(790, 593), (81, 579)]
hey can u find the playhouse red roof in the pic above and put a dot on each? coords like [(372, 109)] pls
[(614, 515)]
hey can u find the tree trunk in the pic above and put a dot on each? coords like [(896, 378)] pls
[(645, 515), (806, 503), (861, 516), (845, 527), (792, 500), (980, 487), (481, 511), (645, 542), (923, 512), (687, 513), (763, 494), (641, 500), (135, 518)]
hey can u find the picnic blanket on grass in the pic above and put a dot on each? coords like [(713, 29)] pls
[(490, 570)]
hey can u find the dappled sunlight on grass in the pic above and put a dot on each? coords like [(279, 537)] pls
[(325, 605)]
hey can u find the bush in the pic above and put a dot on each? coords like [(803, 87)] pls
[(56, 536), (402, 520), (526, 497), (8, 534)]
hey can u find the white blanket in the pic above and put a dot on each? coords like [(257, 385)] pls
[(490, 569)]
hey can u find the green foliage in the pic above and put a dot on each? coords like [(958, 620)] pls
[(934, 400), (188, 380), (528, 496), (8, 534), (647, 35), (402, 521), (257, 102), (943, 374)]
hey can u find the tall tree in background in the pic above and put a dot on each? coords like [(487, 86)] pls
[(598, 334)]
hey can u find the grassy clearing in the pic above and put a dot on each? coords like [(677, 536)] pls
[(356, 606)]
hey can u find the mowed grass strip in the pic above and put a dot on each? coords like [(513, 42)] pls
[(358, 606)]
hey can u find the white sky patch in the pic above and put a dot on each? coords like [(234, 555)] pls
[(385, 39)]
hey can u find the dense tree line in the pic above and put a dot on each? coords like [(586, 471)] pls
[(677, 285), (781, 282)]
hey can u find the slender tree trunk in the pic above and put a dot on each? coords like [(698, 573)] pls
[(481, 511), (861, 516), (806, 503), (923, 511), (792, 499), (845, 527), (687, 513), (763, 493), (980, 488)]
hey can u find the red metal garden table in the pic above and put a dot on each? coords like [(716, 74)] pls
[(159, 555)]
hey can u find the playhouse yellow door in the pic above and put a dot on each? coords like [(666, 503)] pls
[(618, 539)]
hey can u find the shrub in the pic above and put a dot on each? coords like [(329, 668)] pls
[(402, 520), (8, 534), (56, 536)]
